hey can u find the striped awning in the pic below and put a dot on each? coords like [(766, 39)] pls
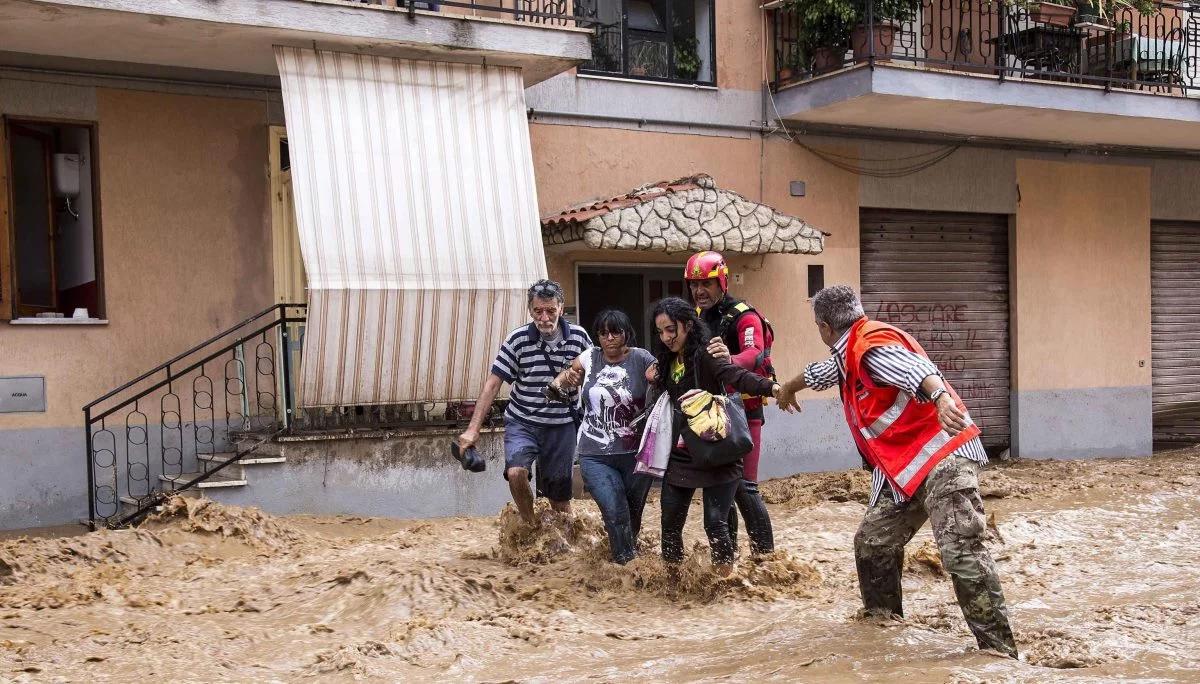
[(417, 215)]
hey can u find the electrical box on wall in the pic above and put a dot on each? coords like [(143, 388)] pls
[(66, 175), (23, 394)]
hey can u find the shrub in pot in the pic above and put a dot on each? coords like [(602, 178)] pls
[(823, 33), (888, 16)]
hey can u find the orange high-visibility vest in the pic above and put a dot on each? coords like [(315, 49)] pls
[(895, 433)]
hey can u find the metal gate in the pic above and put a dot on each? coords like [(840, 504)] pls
[(943, 277), (1175, 330)]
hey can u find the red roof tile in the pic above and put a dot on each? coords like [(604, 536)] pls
[(646, 193)]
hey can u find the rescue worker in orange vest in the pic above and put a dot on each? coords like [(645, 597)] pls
[(915, 432), (748, 336)]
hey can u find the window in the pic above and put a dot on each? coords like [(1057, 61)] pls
[(50, 266), (816, 279), (664, 40)]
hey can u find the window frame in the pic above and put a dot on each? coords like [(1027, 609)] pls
[(624, 29), (10, 307)]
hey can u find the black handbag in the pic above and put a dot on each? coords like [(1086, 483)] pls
[(731, 449)]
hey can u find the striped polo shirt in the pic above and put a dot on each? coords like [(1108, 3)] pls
[(529, 364)]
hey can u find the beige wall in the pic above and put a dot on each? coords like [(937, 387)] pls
[(1081, 260), (739, 45), (575, 164), (185, 239), (971, 179)]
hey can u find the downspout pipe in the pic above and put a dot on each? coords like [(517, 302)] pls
[(640, 121)]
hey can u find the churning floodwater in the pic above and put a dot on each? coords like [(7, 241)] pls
[(1098, 561)]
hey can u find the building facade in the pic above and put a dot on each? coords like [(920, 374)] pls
[(1035, 224)]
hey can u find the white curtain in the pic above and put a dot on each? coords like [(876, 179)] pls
[(418, 222)]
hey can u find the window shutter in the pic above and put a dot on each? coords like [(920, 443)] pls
[(6, 277)]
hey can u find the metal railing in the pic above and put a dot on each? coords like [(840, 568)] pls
[(1008, 39), (547, 12), (184, 421), (180, 423)]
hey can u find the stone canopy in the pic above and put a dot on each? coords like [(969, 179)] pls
[(687, 215)]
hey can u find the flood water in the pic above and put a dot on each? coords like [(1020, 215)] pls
[(1098, 562)]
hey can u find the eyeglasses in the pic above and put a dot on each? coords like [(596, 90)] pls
[(544, 290), (608, 334)]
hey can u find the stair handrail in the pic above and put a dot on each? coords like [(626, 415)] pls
[(231, 339), (282, 308)]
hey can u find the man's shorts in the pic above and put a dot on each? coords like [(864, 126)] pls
[(552, 446)]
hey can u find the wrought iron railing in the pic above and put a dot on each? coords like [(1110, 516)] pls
[(185, 420), (1117, 49), (549, 12)]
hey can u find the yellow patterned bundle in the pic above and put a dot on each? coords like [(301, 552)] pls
[(706, 414)]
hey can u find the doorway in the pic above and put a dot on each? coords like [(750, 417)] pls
[(632, 288)]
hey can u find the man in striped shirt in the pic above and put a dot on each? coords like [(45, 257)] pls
[(948, 496), (535, 429)]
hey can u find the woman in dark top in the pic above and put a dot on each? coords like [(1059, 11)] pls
[(683, 365)]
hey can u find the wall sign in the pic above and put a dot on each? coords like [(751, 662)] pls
[(23, 394)]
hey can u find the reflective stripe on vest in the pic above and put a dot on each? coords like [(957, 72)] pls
[(885, 420), (901, 437), (941, 439)]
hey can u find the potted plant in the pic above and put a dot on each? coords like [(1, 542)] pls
[(687, 62), (823, 34), (888, 15), (1104, 11), (791, 63), (1051, 13)]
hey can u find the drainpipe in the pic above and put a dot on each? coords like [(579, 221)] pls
[(641, 121)]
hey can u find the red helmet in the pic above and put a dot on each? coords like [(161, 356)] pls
[(705, 265)]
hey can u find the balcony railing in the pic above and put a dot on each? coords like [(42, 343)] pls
[(545, 12), (1008, 39)]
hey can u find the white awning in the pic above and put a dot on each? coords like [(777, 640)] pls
[(417, 214)]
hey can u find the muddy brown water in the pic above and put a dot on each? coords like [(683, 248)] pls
[(1098, 561)]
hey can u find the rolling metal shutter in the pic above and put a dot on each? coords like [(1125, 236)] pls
[(1175, 330), (943, 278)]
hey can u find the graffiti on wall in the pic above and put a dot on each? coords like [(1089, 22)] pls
[(951, 339)]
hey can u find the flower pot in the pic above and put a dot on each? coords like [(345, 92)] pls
[(826, 59), (885, 41), (785, 74), (1051, 13)]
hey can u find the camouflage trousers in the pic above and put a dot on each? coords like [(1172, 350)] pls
[(950, 499)]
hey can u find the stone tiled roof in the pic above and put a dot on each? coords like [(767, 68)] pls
[(685, 215)]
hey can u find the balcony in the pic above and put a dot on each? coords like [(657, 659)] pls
[(230, 41), (1014, 69)]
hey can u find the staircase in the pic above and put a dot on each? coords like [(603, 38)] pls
[(204, 420)]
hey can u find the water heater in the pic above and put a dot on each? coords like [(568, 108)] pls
[(66, 175)]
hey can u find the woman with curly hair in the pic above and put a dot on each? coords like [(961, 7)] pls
[(684, 364)]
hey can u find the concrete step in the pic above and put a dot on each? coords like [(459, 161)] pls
[(218, 480), (255, 458), (130, 504), (269, 448)]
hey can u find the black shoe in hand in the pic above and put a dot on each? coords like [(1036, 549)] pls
[(470, 459)]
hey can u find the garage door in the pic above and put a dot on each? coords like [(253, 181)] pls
[(1175, 330), (943, 277)]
